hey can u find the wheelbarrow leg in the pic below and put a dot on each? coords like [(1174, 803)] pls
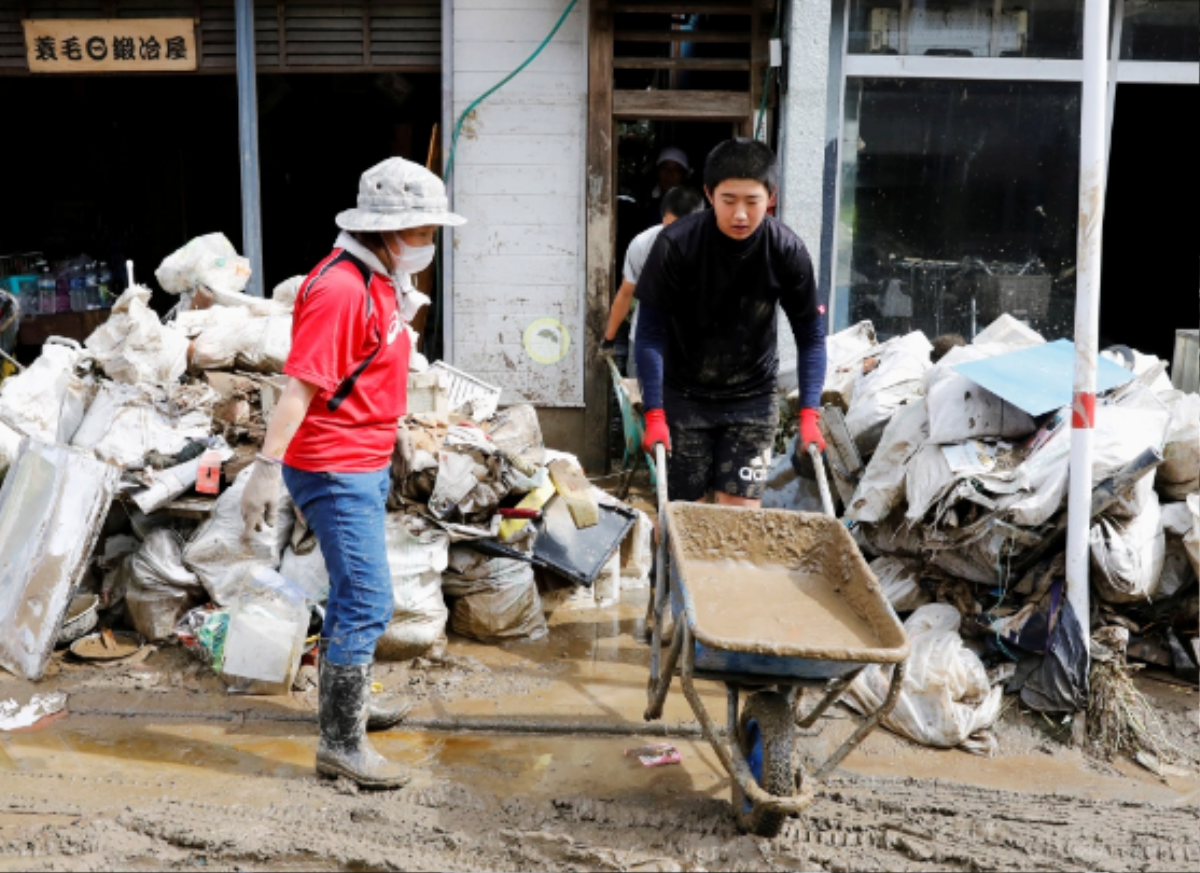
[(867, 726), (660, 684), (833, 692)]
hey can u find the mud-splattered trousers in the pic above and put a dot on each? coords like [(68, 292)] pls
[(719, 446), (347, 511)]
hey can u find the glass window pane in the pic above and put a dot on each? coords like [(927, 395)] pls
[(1161, 30), (968, 28), (959, 201)]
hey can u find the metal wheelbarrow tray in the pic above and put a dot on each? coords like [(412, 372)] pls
[(768, 601)]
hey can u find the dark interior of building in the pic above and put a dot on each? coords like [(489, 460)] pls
[(131, 167), (1151, 270)]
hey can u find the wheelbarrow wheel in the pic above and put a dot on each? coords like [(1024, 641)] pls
[(767, 740)]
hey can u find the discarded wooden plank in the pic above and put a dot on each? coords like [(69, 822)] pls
[(576, 492)]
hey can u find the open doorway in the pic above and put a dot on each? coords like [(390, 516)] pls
[(1151, 266)]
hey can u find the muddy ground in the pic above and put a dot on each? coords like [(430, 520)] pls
[(154, 766)]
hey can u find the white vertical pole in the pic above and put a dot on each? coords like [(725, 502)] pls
[(247, 88), (1092, 177)]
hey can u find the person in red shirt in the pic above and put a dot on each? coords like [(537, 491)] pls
[(335, 432)]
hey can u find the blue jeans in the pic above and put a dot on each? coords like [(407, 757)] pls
[(346, 511)]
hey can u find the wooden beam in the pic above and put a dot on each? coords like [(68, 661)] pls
[(601, 233), (680, 64), (573, 487), (682, 105), (679, 36)]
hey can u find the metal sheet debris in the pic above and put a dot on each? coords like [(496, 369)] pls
[(1038, 379)]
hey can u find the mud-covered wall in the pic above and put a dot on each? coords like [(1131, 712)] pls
[(519, 180)]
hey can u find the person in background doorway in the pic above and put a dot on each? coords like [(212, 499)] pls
[(677, 203), (337, 431), (671, 170), (707, 347)]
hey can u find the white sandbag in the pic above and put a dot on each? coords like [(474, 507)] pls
[(226, 337), (417, 556), (1179, 570), (10, 443), (48, 400), (1136, 421), (1128, 554), (1009, 331), (1191, 539), (496, 598), (1141, 366), (307, 572), (159, 588), (637, 554), (1180, 523), (1043, 478), (959, 409), (1179, 474), (285, 292), (208, 261), (881, 488), (844, 352), (127, 421), (946, 699), (222, 558), (134, 346), (900, 579), (898, 379)]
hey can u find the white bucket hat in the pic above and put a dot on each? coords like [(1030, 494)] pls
[(671, 153), (396, 195)]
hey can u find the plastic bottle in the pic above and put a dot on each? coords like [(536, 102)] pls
[(78, 289), (47, 294), (91, 286), (104, 285)]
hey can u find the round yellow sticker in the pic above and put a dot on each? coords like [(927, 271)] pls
[(547, 340)]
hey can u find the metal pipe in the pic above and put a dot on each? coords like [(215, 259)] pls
[(1092, 172), (446, 303), (248, 144)]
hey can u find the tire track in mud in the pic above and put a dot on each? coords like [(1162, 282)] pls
[(855, 824)]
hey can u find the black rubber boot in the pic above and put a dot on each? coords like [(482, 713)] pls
[(344, 749), (379, 717)]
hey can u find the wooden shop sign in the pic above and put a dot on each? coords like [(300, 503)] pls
[(110, 45)]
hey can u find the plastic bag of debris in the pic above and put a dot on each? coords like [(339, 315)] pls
[(304, 566), (134, 346), (220, 555), (208, 261), (516, 431), (844, 352), (268, 621), (10, 443), (1009, 331), (49, 399), (897, 379), (947, 699), (959, 409), (637, 554), (417, 555), (1181, 559), (881, 488), (126, 422), (1179, 474), (900, 579), (1128, 554), (160, 589), (285, 292), (495, 599)]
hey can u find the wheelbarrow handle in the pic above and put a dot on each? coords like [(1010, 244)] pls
[(822, 481), (660, 472)]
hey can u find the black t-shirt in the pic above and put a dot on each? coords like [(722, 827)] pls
[(720, 296)]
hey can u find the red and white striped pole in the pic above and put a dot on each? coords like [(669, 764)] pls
[(1093, 170)]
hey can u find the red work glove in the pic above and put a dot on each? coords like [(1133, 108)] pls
[(656, 431), (809, 431)]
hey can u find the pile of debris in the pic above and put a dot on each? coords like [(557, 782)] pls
[(952, 465), (124, 460)]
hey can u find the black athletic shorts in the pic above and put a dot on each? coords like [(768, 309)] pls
[(723, 446)]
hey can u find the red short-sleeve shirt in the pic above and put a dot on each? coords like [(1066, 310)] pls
[(348, 339)]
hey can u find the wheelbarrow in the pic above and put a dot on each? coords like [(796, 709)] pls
[(767, 602)]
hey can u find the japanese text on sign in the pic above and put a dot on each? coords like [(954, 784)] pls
[(110, 45)]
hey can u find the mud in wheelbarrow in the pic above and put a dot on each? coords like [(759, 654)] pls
[(769, 601)]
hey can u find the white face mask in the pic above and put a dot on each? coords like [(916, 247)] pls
[(411, 259)]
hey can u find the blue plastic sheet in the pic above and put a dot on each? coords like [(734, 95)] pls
[(1039, 379)]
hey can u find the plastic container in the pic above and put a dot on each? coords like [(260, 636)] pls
[(91, 285), (267, 626), (104, 279), (47, 293), (25, 288)]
